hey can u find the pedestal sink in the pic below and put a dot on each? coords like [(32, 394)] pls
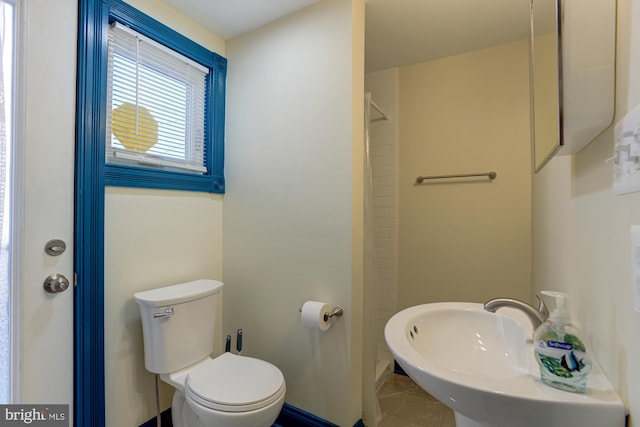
[(481, 365)]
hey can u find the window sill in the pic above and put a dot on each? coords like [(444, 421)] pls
[(126, 176)]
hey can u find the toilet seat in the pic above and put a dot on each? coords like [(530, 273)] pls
[(233, 383)]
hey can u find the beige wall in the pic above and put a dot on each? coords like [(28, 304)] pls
[(465, 241), (293, 207), (357, 397), (179, 22), (582, 233), (152, 238)]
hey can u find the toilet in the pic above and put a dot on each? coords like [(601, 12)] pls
[(227, 391)]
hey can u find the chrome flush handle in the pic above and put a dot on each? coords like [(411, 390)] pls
[(167, 313)]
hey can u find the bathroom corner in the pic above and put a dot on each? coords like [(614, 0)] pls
[(582, 232), (292, 210)]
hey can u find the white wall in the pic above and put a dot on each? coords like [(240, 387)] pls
[(152, 238), (581, 233), (465, 240), (293, 206), (383, 140)]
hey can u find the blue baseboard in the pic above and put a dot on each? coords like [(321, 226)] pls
[(165, 419), (290, 416), (397, 369)]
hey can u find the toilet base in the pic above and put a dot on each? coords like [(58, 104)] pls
[(181, 414), (189, 414)]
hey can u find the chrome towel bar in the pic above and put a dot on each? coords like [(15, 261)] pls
[(491, 175)]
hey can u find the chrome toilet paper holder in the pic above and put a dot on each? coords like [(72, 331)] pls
[(337, 311)]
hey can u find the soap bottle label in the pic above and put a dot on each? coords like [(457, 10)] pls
[(565, 358)]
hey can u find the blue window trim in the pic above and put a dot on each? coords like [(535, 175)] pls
[(213, 180), (90, 182)]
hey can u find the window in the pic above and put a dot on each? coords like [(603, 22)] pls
[(164, 107), (155, 113)]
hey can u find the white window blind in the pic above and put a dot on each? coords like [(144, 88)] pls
[(156, 107)]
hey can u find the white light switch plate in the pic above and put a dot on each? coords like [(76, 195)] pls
[(635, 266), (626, 156)]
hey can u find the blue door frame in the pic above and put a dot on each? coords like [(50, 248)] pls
[(89, 390)]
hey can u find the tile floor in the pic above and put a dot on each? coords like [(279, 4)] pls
[(404, 404)]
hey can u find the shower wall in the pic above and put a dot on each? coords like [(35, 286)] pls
[(465, 240), (383, 141)]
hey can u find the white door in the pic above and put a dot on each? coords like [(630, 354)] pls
[(46, 108)]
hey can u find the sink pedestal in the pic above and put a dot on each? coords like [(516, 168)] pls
[(462, 421)]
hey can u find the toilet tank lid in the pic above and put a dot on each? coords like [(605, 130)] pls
[(176, 294)]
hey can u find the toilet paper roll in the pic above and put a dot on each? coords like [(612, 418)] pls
[(312, 315)]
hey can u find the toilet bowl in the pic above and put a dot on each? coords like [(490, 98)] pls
[(227, 391)]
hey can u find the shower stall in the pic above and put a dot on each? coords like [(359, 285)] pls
[(381, 210)]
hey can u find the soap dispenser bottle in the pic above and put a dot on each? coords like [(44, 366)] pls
[(560, 353)]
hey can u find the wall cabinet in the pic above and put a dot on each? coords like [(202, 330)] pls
[(572, 74)]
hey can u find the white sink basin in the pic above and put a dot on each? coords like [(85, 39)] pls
[(481, 365)]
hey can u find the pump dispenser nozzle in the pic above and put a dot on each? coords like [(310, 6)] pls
[(560, 313)]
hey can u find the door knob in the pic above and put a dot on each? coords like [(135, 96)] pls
[(55, 283)]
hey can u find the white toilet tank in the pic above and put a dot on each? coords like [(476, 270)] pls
[(178, 324)]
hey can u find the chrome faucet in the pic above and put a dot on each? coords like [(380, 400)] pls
[(536, 315)]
